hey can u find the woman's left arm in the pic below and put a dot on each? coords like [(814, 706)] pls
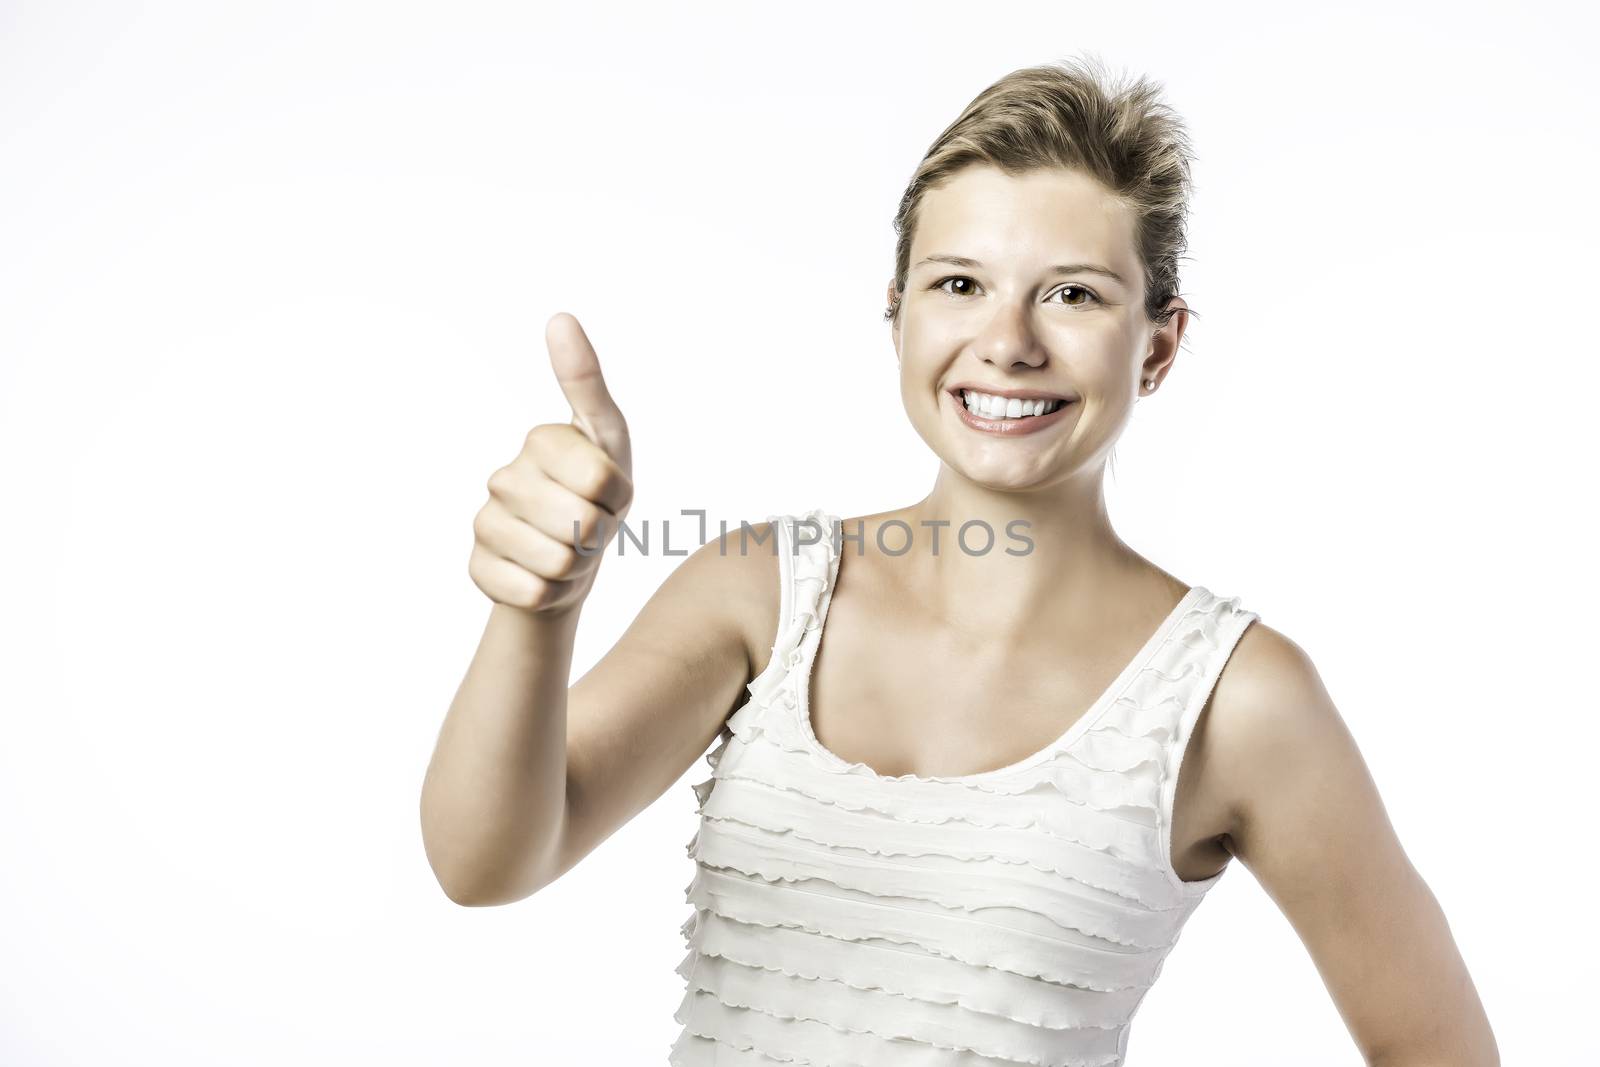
[(1308, 821)]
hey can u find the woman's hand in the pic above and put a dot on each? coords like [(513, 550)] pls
[(571, 484)]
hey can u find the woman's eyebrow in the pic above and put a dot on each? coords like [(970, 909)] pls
[(1064, 268)]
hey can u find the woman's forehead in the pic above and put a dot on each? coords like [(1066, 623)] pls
[(985, 214)]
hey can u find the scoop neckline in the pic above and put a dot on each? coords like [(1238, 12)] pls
[(1106, 698)]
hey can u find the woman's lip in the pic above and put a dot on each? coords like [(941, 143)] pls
[(1009, 427)]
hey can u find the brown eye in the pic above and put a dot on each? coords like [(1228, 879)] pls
[(955, 278), (1078, 289)]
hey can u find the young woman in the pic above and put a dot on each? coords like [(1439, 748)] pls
[(953, 831)]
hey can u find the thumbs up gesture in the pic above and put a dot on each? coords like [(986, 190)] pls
[(571, 484)]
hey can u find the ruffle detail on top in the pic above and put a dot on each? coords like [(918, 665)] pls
[(1016, 916)]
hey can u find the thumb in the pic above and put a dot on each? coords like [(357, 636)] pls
[(577, 370)]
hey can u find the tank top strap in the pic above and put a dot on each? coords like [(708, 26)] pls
[(1204, 641), (807, 546), (808, 555)]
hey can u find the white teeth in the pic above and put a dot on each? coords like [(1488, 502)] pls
[(988, 406)]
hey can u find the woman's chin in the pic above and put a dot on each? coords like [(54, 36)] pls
[(1006, 473), (995, 461)]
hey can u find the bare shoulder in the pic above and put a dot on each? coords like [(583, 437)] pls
[(1270, 716), (1266, 667), (737, 577)]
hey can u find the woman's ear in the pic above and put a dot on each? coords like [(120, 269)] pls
[(894, 328), (1164, 344)]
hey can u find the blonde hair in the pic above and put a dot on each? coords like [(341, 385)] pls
[(1070, 115)]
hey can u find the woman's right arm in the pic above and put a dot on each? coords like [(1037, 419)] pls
[(527, 776)]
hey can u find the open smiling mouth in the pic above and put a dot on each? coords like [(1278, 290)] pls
[(1008, 416)]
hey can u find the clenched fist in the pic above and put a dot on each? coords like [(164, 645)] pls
[(571, 484)]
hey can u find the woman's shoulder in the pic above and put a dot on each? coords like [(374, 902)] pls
[(735, 575), (1269, 711), (1267, 669)]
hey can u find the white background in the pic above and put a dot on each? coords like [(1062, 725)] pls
[(273, 284)]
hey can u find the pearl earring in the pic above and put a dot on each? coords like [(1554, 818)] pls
[(1149, 383)]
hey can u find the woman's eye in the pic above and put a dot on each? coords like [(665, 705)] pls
[(955, 278), (1085, 295), (1077, 289)]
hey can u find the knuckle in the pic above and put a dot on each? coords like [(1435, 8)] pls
[(595, 522), (565, 562), (481, 571), (604, 480), (578, 526), (546, 593), (503, 482), (531, 591), (595, 481), (543, 437)]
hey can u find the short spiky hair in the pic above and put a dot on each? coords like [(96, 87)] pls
[(1071, 115)]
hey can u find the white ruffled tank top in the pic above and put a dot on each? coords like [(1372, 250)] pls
[(1016, 916)]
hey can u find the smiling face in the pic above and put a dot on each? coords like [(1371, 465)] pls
[(985, 309)]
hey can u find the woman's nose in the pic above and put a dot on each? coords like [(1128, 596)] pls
[(1008, 340)]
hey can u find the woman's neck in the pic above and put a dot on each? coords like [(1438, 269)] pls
[(1026, 559)]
